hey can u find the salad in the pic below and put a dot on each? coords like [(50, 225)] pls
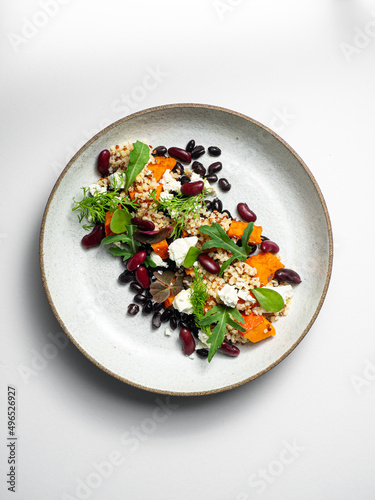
[(213, 278)]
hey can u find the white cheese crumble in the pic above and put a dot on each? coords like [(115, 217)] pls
[(182, 302), (203, 337), (246, 296), (168, 332), (158, 260), (228, 295), (117, 180), (97, 188), (170, 183), (179, 248)]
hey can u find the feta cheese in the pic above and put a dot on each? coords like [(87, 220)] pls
[(167, 332), (228, 295), (203, 337), (179, 248), (158, 260), (164, 195), (246, 296), (117, 180), (97, 189), (182, 302), (286, 291), (170, 183)]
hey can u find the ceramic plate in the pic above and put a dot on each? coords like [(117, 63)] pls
[(90, 303)]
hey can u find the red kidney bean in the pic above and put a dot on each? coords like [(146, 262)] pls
[(143, 224), (188, 343), (180, 154), (94, 238), (269, 246), (140, 299), (159, 151), (211, 178), (192, 188), (126, 277), (224, 184), (103, 161), (208, 264), (229, 349), (214, 168), (197, 152), (190, 146), (133, 309), (288, 275), (245, 212), (214, 151), (156, 320), (202, 353), (147, 308), (141, 275), (136, 260)]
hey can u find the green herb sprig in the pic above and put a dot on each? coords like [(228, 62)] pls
[(220, 239), (198, 297), (221, 315)]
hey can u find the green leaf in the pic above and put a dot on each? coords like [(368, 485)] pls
[(138, 158), (246, 236), (121, 252), (269, 299), (114, 238), (120, 219), (134, 244), (149, 262), (191, 256)]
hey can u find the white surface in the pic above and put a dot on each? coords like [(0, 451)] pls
[(283, 64)]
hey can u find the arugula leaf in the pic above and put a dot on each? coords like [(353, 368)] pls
[(149, 262), (114, 238), (221, 315), (220, 239), (269, 299), (121, 252), (120, 219), (191, 256), (138, 158)]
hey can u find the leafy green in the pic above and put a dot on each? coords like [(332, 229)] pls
[(269, 299), (198, 297), (130, 246), (166, 284), (221, 315), (191, 256), (120, 219), (220, 239), (180, 208), (138, 158)]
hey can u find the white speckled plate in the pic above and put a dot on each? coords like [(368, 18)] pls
[(91, 304)]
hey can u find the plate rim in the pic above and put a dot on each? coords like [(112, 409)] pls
[(160, 108)]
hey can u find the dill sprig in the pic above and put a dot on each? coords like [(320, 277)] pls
[(198, 297), (94, 208), (180, 209)]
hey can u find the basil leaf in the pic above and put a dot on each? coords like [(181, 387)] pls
[(269, 299), (120, 219), (138, 158), (191, 256)]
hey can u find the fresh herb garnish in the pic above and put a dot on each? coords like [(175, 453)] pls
[(221, 315), (220, 239), (191, 256), (138, 158), (198, 297), (269, 299), (180, 208), (120, 219), (166, 284), (130, 245), (96, 207)]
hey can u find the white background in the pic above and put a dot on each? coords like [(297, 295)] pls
[(306, 69)]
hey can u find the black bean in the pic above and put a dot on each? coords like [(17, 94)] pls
[(148, 294), (252, 249), (184, 179), (264, 238), (214, 151), (177, 314), (214, 168), (140, 299), (133, 309), (217, 204), (183, 324), (195, 331), (199, 169), (211, 178), (208, 204), (147, 308), (228, 213), (167, 314), (126, 277), (173, 323), (136, 287), (157, 306), (159, 151), (197, 152), (202, 353), (178, 168), (190, 146), (156, 320), (224, 184)]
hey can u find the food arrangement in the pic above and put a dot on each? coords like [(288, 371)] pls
[(191, 264)]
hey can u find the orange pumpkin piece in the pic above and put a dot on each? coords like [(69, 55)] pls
[(162, 164), (161, 248), (266, 265), (159, 189), (169, 301), (237, 228), (258, 328)]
